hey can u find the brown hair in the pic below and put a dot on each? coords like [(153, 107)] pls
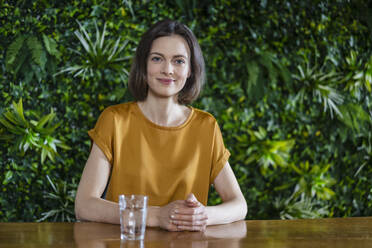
[(138, 73)]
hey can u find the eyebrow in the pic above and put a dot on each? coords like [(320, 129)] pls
[(175, 56)]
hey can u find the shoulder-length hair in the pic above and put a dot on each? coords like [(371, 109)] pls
[(138, 73)]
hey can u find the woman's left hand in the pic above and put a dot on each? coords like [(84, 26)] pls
[(192, 216)]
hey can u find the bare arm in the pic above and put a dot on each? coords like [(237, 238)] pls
[(88, 203), (234, 206), (91, 207)]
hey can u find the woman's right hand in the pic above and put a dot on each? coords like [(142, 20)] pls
[(166, 213), (183, 215)]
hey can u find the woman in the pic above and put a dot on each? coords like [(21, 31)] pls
[(158, 146)]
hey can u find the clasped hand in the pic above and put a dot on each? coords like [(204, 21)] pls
[(184, 215)]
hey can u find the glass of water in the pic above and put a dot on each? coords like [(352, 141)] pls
[(133, 212)]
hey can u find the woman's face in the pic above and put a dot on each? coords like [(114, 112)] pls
[(168, 66)]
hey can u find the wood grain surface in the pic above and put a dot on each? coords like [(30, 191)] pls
[(336, 232)]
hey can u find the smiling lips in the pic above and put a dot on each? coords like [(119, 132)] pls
[(165, 81)]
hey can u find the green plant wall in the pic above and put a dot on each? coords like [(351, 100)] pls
[(288, 81)]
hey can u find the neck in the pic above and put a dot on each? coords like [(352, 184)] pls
[(164, 111)]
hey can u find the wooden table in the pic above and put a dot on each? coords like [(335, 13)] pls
[(337, 232)]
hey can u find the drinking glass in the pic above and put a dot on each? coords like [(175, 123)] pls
[(133, 212)]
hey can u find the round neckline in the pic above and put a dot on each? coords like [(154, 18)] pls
[(138, 109)]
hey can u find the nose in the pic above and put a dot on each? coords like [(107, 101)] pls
[(167, 68)]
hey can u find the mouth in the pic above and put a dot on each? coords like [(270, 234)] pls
[(165, 81)]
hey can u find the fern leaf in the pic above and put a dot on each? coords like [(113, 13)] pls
[(355, 117), (253, 71), (266, 59), (27, 72), (254, 89), (13, 51), (51, 46), (37, 72), (51, 66), (22, 57), (37, 51)]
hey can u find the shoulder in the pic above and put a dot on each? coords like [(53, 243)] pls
[(204, 117), (118, 110)]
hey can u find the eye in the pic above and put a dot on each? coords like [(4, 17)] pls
[(156, 59), (180, 61)]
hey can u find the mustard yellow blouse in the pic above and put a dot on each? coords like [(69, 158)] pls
[(165, 163)]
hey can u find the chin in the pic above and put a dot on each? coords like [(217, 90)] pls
[(164, 93)]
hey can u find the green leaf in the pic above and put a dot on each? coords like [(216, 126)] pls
[(43, 155), (266, 59), (253, 71), (6, 137), (355, 117), (44, 120), (296, 169), (22, 57), (51, 46), (37, 51), (10, 116), (18, 107), (6, 124), (48, 214), (8, 177), (85, 40), (101, 39), (49, 130), (27, 72), (64, 146), (330, 98), (13, 52), (52, 184)]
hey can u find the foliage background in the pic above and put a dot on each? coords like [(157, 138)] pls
[(288, 81)]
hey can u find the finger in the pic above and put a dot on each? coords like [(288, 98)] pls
[(189, 211), (173, 228), (191, 199), (178, 207), (188, 223), (189, 218), (179, 203), (192, 228), (192, 204)]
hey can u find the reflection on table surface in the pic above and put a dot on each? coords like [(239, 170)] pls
[(337, 232), (109, 235)]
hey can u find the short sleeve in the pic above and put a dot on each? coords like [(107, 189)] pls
[(220, 154), (103, 133)]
